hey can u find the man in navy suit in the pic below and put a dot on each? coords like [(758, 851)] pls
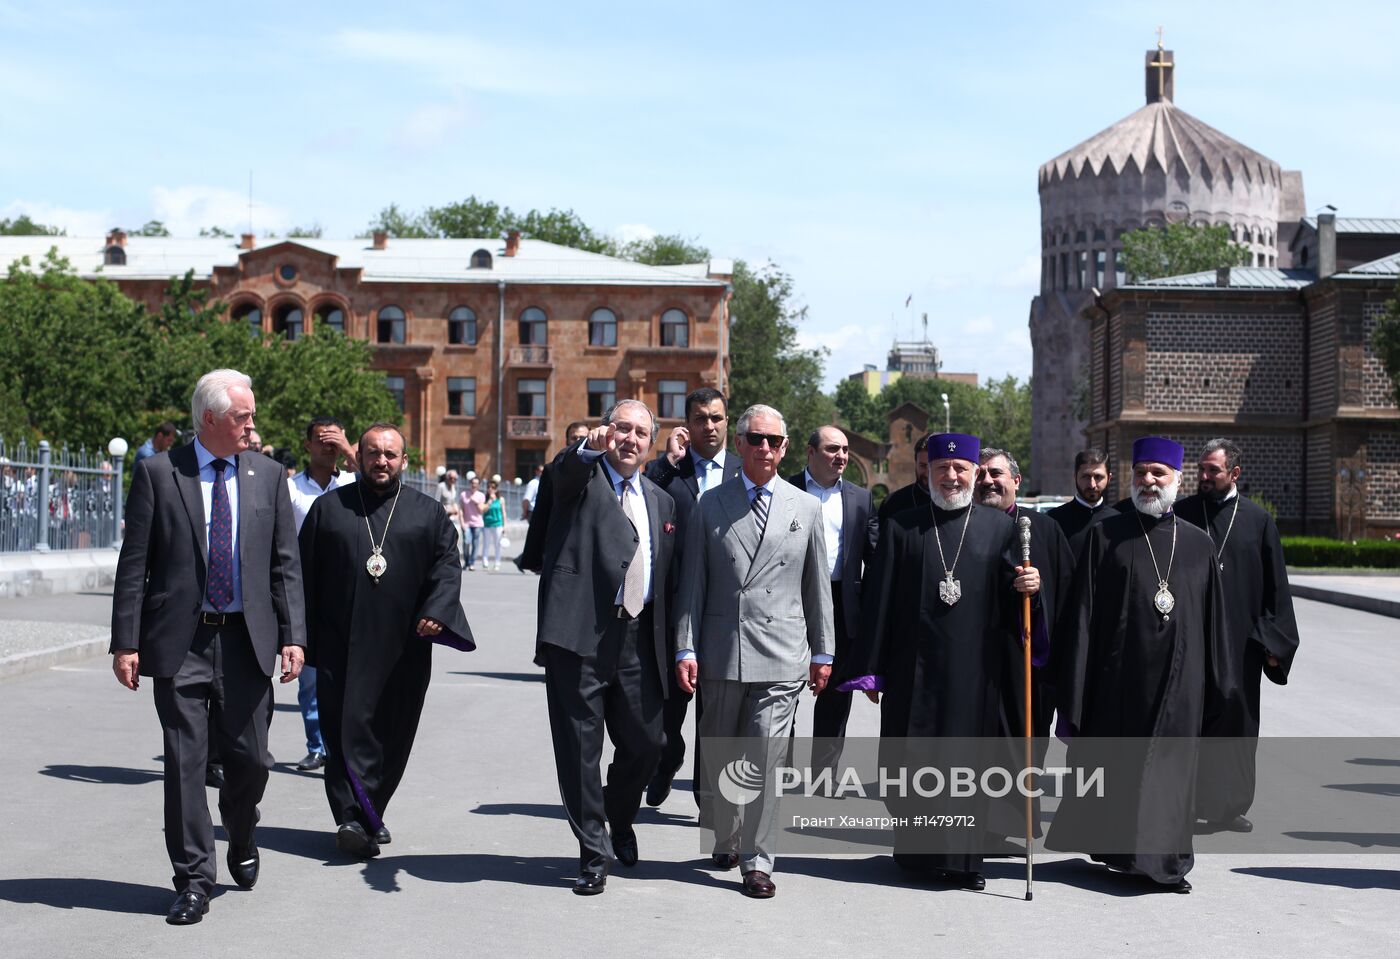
[(603, 632), (695, 462), (207, 600), (851, 526)]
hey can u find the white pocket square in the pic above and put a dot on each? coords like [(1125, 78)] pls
[(794, 527)]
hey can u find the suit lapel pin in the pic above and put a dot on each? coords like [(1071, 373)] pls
[(794, 527), (250, 472)]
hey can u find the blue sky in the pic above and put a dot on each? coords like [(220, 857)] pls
[(873, 152)]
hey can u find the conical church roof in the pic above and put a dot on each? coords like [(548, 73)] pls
[(1168, 135)]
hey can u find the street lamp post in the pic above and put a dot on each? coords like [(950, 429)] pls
[(117, 448), (947, 415)]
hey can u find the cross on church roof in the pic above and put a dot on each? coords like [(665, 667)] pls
[(1160, 87)]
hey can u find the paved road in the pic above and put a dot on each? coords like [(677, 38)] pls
[(482, 858)]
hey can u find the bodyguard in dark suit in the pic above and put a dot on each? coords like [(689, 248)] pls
[(603, 632), (848, 514), (695, 462), (208, 595)]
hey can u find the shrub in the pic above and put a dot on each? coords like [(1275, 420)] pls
[(1318, 551)]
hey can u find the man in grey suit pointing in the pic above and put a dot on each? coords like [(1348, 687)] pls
[(755, 622), (207, 599)]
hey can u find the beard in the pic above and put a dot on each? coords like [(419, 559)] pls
[(958, 500), (380, 488), (1155, 501)]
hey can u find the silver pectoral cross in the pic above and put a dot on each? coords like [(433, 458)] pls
[(950, 590)]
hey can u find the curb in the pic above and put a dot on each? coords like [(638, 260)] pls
[(12, 667), (1367, 604)]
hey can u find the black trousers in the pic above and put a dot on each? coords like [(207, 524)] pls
[(220, 677), (616, 689)]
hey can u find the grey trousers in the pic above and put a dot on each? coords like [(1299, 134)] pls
[(220, 672), (748, 710)]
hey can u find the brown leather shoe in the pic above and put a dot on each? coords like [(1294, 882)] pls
[(725, 860), (758, 885)]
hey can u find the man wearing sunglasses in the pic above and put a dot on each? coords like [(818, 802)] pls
[(755, 625), (694, 463)]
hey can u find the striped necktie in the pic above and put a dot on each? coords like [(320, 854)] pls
[(219, 587), (634, 584), (760, 509)]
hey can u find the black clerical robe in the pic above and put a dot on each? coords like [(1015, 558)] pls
[(941, 667), (906, 497), (1074, 518), (1050, 555), (1125, 670), (1259, 622), (372, 668)]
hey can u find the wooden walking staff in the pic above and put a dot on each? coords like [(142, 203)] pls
[(1024, 524)]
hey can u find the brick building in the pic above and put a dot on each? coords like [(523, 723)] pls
[(1280, 360), (491, 347)]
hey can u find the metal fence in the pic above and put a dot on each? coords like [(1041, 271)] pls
[(53, 499), (64, 499)]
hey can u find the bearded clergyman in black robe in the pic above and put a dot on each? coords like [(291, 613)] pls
[(945, 594), (383, 583), (1259, 627), (1144, 660)]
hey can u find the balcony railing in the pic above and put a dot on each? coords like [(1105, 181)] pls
[(530, 356), (527, 427)]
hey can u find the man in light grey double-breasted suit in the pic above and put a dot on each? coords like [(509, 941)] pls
[(754, 625)]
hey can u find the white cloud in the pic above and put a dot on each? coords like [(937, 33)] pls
[(185, 210), (1024, 276), (634, 232), (432, 124), (73, 222)]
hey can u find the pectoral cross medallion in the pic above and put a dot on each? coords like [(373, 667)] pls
[(1164, 601), (376, 565), (950, 590)]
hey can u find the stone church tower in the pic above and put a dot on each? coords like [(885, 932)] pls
[(1156, 166)]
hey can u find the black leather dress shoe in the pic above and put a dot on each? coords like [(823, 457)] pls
[(968, 880), (187, 909), (759, 885), (214, 777), (658, 789), (352, 839), (382, 836), (1239, 824), (725, 860), (312, 761), (243, 866), (1181, 886), (590, 882), (625, 847)]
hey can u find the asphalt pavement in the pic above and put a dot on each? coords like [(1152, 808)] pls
[(482, 858)]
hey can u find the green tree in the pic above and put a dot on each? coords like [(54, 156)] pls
[(151, 228), (22, 225), (664, 250), (861, 412), (400, 223), (1385, 341), (216, 231), (470, 218), (312, 232), (1179, 248), (766, 363)]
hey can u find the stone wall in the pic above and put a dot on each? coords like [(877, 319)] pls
[(1224, 363)]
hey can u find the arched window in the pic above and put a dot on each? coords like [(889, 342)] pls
[(331, 316), (250, 314), (602, 328), (391, 325), (461, 327), (114, 256), (287, 320), (675, 328), (481, 260), (534, 327)]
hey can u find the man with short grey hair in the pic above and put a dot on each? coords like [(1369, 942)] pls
[(755, 624), (207, 599)]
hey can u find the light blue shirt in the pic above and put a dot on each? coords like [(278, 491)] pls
[(708, 473), (818, 659), (643, 519), (206, 491)]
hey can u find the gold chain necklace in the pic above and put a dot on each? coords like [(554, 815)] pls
[(376, 565), (950, 590), (1163, 601)]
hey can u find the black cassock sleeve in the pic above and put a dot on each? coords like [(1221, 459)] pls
[(1075, 631), (1276, 629), (1224, 702), (441, 596), (864, 667)]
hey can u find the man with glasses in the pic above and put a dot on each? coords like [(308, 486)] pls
[(695, 462), (755, 624)]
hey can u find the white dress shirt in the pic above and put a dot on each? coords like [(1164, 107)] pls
[(833, 516), (206, 490), (304, 491), (640, 518)]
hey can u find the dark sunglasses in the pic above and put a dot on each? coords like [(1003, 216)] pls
[(758, 439)]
